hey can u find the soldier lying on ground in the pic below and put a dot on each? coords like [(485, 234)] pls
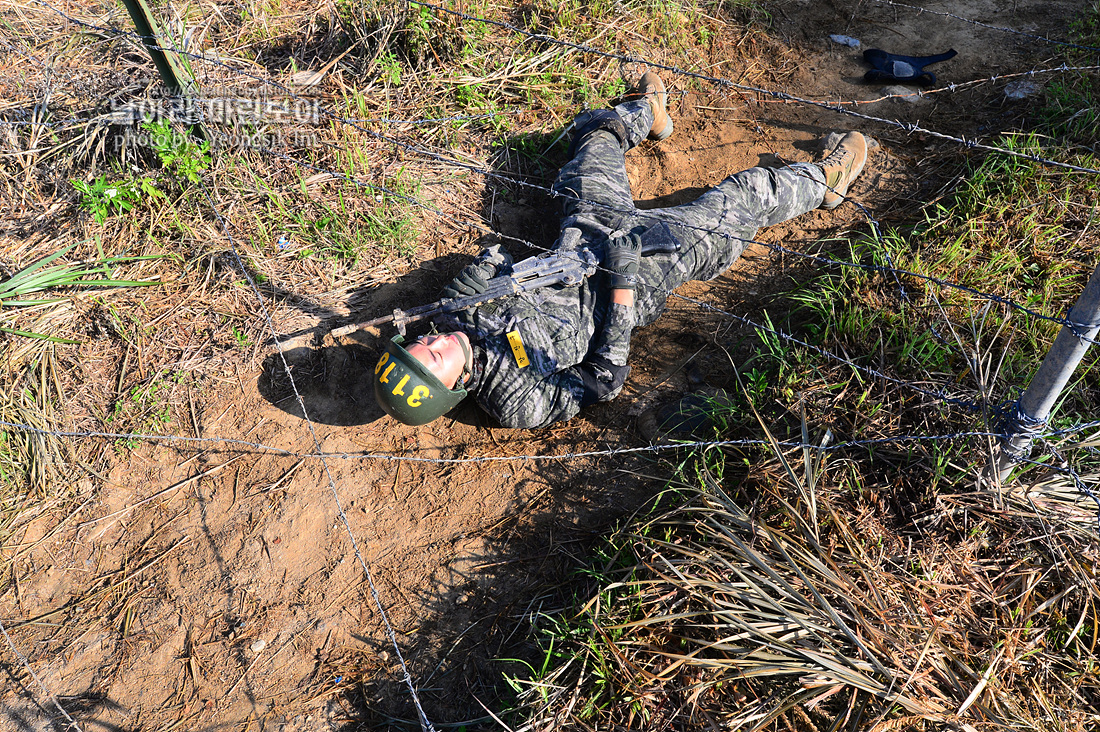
[(539, 357)]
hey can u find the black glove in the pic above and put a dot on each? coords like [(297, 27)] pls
[(472, 280), (623, 253)]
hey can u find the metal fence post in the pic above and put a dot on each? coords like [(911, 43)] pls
[(1033, 409), (172, 70)]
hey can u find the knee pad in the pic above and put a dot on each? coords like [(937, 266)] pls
[(598, 119)]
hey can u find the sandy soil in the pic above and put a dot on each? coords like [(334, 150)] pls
[(227, 589)]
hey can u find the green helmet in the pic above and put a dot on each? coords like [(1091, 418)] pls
[(407, 391)]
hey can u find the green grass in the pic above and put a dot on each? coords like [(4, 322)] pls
[(180, 153), (45, 280), (358, 220), (102, 198), (676, 624), (799, 610)]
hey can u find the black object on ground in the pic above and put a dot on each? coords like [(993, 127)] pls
[(894, 68)]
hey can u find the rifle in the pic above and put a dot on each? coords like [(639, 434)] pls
[(554, 268)]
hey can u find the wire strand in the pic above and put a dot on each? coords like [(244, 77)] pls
[(27, 665), (425, 724)]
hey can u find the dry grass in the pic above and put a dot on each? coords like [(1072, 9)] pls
[(813, 608), (980, 616)]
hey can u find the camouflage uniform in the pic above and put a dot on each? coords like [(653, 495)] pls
[(577, 341)]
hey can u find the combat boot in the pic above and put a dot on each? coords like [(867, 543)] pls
[(652, 89), (842, 166)]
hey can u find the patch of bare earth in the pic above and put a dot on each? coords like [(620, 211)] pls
[(222, 586)]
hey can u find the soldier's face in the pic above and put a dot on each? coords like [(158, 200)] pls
[(442, 354)]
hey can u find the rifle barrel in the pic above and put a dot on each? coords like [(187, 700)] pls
[(530, 274)]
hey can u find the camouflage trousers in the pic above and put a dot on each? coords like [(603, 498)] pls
[(713, 229)]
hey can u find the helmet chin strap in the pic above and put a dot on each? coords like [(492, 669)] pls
[(467, 367)]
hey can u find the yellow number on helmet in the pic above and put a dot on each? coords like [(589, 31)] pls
[(418, 394), (382, 362), (385, 377)]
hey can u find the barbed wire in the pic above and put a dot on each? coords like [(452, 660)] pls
[(33, 123), (1076, 327), (259, 448), (990, 27), (1084, 426), (28, 55), (484, 171), (1068, 470), (726, 83), (622, 58), (30, 670), (951, 87), (941, 395), (394, 121), (439, 120), (776, 247)]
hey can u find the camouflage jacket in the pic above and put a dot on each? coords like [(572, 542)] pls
[(542, 355)]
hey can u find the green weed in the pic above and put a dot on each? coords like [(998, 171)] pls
[(242, 339), (178, 152), (103, 198), (389, 68), (349, 225), (44, 277)]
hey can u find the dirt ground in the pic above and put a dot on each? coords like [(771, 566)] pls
[(229, 594)]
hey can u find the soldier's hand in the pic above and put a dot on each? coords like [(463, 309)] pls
[(472, 280), (623, 253)]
